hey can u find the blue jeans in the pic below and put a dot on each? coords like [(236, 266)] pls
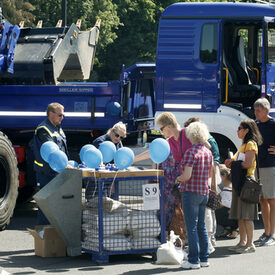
[(193, 206)]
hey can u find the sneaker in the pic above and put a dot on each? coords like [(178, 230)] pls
[(234, 248), (187, 265), (205, 264), (246, 249), (213, 240), (270, 241), (262, 240)]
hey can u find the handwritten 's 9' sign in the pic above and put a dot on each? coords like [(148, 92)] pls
[(150, 196)]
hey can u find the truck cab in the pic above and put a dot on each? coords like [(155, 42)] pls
[(213, 61)]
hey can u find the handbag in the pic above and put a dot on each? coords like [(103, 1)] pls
[(176, 191), (168, 253), (214, 200), (252, 189)]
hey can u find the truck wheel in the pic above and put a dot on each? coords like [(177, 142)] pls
[(8, 180)]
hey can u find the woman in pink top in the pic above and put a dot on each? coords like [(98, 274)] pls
[(172, 169), (177, 139), (172, 165)]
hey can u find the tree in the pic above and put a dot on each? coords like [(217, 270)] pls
[(136, 38), (15, 11), (128, 32)]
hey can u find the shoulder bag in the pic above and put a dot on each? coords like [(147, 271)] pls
[(251, 189), (214, 199)]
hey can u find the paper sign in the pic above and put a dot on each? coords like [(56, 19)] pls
[(150, 196), (241, 156)]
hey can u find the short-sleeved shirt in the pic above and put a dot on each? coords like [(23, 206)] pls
[(214, 149), (249, 146), (103, 138), (200, 159), (267, 130), (179, 146)]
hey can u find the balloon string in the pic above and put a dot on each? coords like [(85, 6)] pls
[(157, 172), (95, 184), (111, 187)]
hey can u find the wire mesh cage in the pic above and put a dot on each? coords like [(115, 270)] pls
[(116, 219)]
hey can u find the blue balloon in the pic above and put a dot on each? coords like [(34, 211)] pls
[(113, 108), (159, 150), (108, 150), (124, 157), (73, 163), (58, 161), (84, 149), (92, 158), (47, 148)]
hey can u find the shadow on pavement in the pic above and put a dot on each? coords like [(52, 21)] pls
[(158, 270)]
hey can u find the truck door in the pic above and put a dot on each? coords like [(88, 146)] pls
[(268, 56), (188, 65)]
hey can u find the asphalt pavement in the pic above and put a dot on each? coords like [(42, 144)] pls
[(17, 256)]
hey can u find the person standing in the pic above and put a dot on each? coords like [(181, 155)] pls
[(48, 130), (266, 125), (178, 143), (197, 162), (210, 218), (244, 163)]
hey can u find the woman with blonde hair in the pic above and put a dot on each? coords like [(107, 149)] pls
[(115, 134), (197, 162), (178, 143)]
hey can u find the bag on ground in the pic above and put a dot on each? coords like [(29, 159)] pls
[(168, 253)]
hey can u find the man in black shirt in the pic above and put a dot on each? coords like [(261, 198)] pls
[(266, 125), (48, 130)]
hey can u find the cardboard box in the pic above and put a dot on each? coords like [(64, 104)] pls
[(47, 243)]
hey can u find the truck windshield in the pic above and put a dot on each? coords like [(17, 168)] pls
[(271, 42)]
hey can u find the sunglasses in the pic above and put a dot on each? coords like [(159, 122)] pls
[(118, 136), (59, 115), (240, 128), (161, 128)]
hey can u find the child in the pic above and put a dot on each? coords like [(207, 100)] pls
[(222, 214), (210, 218)]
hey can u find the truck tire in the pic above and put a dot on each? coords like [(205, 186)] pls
[(8, 180)]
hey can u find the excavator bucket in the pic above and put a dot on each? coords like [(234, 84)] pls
[(51, 55)]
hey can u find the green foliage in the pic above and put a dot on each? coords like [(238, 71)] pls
[(17, 10), (136, 37), (128, 32)]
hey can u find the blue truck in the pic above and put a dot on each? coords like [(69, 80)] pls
[(213, 61)]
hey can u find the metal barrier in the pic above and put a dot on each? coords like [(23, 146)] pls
[(122, 213)]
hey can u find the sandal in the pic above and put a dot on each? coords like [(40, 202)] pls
[(224, 233), (233, 235)]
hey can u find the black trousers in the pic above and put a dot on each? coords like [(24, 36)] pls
[(222, 215), (42, 180)]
